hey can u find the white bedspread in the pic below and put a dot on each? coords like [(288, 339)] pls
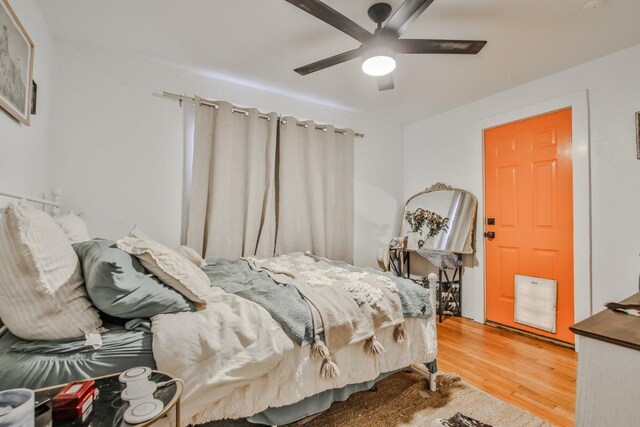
[(236, 361)]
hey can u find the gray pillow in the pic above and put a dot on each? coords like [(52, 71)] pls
[(120, 286)]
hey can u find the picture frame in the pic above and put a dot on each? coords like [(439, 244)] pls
[(638, 135), (16, 66), (34, 97)]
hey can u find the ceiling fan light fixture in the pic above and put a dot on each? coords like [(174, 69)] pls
[(379, 49), (380, 65), (379, 61)]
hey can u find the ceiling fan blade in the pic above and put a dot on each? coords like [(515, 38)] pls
[(464, 47), (332, 17), (328, 62), (385, 82), (408, 12)]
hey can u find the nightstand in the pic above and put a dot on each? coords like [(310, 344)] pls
[(108, 407)]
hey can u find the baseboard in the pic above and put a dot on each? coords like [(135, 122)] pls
[(530, 335)]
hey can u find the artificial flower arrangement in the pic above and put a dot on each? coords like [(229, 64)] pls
[(423, 217)]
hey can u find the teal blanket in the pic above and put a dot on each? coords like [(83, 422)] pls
[(286, 305)]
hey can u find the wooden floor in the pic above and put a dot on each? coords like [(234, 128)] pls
[(534, 375)]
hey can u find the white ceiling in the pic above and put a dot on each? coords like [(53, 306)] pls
[(262, 41)]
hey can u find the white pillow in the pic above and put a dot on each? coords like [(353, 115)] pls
[(170, 267), (192, 256), (74, 227), (42, 296), (139, 234)]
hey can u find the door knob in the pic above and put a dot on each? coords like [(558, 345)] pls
[(489, 234)]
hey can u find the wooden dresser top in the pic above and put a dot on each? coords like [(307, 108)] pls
[(613, 327)]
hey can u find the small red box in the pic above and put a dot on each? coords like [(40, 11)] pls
[(73, 400)]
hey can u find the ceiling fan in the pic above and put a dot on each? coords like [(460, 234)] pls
[(378, 50)]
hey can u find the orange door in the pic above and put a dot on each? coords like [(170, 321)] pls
[(529, 194)]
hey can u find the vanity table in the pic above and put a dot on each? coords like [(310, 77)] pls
[(608, 368), (449, 292), (439, 225)]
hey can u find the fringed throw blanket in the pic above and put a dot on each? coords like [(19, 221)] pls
[(347, 306)]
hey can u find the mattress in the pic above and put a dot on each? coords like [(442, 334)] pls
[(32, 364)]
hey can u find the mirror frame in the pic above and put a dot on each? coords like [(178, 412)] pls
[(439, 186)]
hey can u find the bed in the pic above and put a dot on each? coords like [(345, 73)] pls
[(235, 357)]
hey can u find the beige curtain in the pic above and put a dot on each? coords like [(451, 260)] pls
[(315, 190), (232, 210)]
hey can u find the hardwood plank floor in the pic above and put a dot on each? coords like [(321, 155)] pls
[(532, 374)]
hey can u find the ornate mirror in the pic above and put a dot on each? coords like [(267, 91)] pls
[(441, 218)]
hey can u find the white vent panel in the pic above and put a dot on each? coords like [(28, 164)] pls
[(535, 303)]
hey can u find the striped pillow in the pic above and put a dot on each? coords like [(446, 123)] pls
[(42, 296)]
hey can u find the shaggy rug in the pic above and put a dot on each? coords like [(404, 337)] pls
[(404, 400)]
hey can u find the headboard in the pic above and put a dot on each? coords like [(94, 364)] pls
[(52, 205)]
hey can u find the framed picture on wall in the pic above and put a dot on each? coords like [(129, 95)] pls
[(638, 134), (34, 97), (16, 65)]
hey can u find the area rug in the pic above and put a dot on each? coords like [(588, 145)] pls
[(404, 400)]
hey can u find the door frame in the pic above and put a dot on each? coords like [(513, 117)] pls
[(580, 152)]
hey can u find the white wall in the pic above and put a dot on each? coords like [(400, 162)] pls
[(23, 150), (446, 148), (117, 148)]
